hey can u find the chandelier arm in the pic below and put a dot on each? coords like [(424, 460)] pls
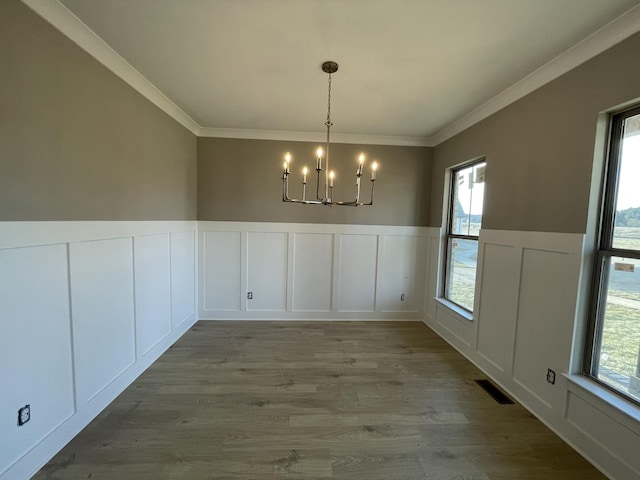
[(373, 183), (285, 188), (357, 202), (318, 170), (323, 201), (331, 203), (305, 202)]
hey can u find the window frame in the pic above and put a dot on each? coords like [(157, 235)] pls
[(449, 235), (604, 250)]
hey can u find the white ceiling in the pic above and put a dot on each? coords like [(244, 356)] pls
[(408, 68)]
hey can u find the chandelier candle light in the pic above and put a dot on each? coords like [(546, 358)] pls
[(329, 176)]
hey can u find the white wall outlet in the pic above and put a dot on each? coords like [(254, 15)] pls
[(551, 376), (24, 415)]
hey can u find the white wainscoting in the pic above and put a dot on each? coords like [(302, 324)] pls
[(86, 307), (220, 267), (102, 313), (183, 277), (153, 290), (136, 281), (267, 269), (311, 271), (401, 279), (36, 363), (357, 273), (526, 317)]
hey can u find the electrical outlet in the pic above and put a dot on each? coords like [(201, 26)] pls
[(24, 415), (249, 295), (402, 297), (551, 376)]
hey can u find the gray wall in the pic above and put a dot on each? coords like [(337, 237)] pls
[(76, 142), (540, 150), (241, 180)]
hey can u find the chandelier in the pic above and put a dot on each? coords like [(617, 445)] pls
[(329, 175)]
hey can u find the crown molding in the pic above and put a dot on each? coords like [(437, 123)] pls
[(77, 31), (606, 37), (315, 137), (64, 20)]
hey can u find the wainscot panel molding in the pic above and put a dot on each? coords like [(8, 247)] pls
[(29, 234), (57, 276), (267, 269), (220, 267), (357, 273), (183, 277), (86, 308), (102, 309), (153, 289), (312, 272), (36, 363), (525, 318), (303, 271)]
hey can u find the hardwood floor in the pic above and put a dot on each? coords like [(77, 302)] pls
[(314, 400)]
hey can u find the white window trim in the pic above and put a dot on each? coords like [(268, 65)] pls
[(444, 239), (455, 309)]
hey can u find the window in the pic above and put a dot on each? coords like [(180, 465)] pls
[(463, 227), (614, 330)]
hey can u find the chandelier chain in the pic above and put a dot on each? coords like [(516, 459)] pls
[(329, 103)]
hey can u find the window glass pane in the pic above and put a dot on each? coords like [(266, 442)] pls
[(467, 198), (461, 272), (626, 231), (619, 362)]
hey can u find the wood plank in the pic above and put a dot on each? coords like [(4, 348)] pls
[(314, 400)]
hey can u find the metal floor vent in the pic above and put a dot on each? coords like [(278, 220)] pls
[(497, 394)]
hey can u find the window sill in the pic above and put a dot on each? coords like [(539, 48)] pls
[(455, 309), (621, 410)]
